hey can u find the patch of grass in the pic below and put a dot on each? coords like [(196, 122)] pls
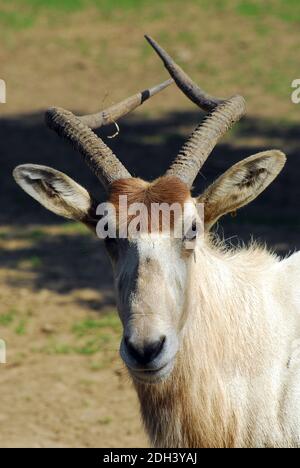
[(35, 235), (86, 347), (110, 6), (7, 318), (16, 20), (75, 5), (64, 5), (85, 327), (96, 335), (21, 327), (249, 8), (92, 346), (287, 10), (90, 336), (75, 228), (35, 261), (29, 263), (20, 14), (56, 348)]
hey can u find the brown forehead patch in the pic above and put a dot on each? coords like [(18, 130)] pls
[(168, 190)]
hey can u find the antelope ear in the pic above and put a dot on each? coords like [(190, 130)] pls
[(240, 184), (57, 192)]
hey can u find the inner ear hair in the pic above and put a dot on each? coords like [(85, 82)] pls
[(240, 184), (57, 192)]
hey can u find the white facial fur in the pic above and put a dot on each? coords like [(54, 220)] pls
[(150, 278)]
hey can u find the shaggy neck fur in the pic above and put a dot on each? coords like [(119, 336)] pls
[(225, 338)]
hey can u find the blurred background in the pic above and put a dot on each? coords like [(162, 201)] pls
[(64, 384)]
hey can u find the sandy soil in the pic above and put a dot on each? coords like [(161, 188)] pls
[(55, 390)]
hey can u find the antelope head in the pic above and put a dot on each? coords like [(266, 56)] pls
[(151, 270)]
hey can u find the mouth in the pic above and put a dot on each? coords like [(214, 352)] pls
[(152, 376)]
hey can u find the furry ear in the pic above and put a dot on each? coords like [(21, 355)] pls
[(241, 184), (57, 192)]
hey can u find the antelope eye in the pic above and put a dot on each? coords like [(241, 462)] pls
[(191, 233)]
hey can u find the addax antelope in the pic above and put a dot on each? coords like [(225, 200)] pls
[(210, 334)]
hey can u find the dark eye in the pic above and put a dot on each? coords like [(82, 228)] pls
[(191, 233)]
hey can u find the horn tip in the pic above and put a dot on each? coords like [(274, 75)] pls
[(151, 41)]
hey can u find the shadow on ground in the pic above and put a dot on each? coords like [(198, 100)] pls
[(146, 147)]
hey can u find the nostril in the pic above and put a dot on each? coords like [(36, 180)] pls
[(131, 348), (127, 340), (146, 352), (159, 346)]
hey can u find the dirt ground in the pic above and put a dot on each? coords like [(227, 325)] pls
[(64, 384)]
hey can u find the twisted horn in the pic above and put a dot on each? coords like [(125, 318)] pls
[(99, 157), (222, 115)]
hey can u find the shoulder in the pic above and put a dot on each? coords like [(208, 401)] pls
[(290, 265), (287, 282)]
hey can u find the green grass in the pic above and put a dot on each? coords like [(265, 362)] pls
[(90, 325), (75, 228), (86, 347), (64, 5), (89, 336), (35, 261), (35, 235), (15, 20), (249, 8), (21, 327), (96, 334), (56, 348), (287, 10), (93, 346), (20, 14), (7, 318)]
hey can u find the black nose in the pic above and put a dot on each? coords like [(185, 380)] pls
[(144, 353)]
